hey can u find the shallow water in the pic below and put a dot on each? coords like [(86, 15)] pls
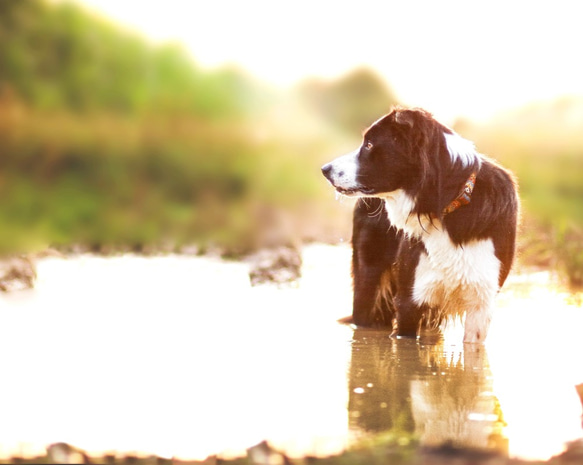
[(180, 356)]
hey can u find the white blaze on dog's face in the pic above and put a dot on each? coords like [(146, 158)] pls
[(343, 174)]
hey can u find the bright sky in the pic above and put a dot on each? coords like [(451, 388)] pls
[(452, 57)]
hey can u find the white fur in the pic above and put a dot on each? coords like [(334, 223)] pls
[(455, 279), (399, 206), (461, 149), (458, 279), (344, 171)]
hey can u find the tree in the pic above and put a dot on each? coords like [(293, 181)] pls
[(352, 102)]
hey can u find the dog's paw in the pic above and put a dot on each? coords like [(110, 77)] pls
[(347, 320)]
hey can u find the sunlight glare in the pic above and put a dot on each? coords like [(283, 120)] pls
[(473, 72)]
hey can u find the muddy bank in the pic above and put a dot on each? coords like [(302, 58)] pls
[(279, 265), (17, 273), (263, 454)]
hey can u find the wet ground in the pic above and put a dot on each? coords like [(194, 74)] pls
[(181, 357)]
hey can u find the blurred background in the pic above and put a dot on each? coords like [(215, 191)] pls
[(156, 126)]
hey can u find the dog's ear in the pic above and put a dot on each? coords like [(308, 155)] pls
[(405, 117)]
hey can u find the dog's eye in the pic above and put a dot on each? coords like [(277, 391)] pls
[(368, 145)]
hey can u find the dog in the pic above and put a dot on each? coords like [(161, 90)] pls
[(434, 226)]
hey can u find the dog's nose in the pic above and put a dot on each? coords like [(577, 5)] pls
[(326, 169)]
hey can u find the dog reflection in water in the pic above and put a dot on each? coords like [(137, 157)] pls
[(436, 393)]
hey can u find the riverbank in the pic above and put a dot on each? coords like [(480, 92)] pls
[(264, 454)]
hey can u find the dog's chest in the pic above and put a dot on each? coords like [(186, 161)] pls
[(455, 276)]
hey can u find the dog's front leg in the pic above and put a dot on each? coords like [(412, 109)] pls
[(367, 284), (409, 316), (374, 247), (477, 322)]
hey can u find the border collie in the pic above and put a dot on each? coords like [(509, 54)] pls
[(434, 227)]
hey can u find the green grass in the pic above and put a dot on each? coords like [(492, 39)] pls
[(109, 181)]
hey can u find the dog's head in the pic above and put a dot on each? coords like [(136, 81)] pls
[(406, 149)]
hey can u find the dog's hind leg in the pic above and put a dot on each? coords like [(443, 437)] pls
[(374, 248)]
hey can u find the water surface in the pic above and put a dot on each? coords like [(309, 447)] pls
[(180, 356)]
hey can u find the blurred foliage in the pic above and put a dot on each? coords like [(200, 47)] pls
[(108, 142), (105, 181), (57, 56), (353, 102)]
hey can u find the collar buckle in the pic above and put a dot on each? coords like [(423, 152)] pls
[(464, 197)]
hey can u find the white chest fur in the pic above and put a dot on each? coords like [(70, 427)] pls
[(456, 278)]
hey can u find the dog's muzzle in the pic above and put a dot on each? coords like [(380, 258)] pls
[(341, 173)]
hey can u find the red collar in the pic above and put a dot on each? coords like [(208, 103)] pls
[(465, 196)]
